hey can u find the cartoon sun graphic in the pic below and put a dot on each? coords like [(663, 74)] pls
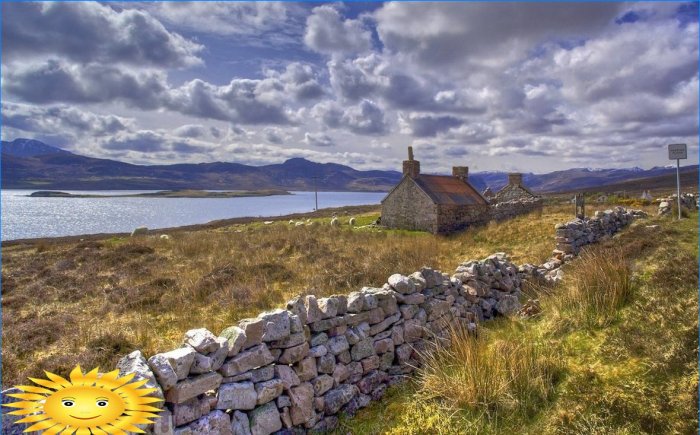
[(89, 403)]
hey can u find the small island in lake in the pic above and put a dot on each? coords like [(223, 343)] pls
[(183, 193)]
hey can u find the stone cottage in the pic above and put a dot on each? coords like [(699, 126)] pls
[(514, 190), (434, 203)]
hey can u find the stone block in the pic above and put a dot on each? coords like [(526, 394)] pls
[(202, 340), (265, 420), (268, 390), (193, 387), (237, 396), (254, 357), (276, 325), (236, 339), (254, 330)]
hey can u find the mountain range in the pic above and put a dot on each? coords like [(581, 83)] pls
[(31, 164)]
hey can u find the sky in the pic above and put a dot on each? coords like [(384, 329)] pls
[(531, 87)]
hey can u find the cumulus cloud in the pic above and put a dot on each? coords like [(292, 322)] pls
[(365, 118), (61, 120), (92, 32), (318, 140), (60, 82), (428, 126), (483, 34), (190, 130), (329, 33)]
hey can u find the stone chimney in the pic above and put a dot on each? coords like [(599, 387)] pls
[(461, 172), (515, 178), (411, 167)]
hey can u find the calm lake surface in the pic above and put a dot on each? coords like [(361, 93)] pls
[(24, 217)]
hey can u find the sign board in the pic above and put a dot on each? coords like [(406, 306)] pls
[(677, 151)]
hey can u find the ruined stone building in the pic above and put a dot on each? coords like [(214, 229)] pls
[(514, 190), (488, 194), (434, 203)]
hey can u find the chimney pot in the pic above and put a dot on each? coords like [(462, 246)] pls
[(461, 172)]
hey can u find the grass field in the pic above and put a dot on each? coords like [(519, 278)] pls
[(614, 351), (94, 301)]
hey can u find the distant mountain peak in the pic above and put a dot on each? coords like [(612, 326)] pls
[(22, 147)]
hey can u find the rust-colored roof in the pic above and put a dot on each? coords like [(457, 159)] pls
[(444, 189)]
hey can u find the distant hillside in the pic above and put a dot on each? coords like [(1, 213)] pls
[(29, 148), (31, 164), (49, 168)]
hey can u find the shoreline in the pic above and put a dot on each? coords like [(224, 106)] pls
[(218, 223), (181, 193)]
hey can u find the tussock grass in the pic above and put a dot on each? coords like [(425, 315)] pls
[(85, 302), (490, 375), (598, 284)]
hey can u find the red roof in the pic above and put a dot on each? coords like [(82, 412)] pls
[(445, 189)]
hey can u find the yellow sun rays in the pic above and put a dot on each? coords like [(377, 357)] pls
[(88, 403)]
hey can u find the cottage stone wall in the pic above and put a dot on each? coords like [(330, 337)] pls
[(408, 207), (295, 369), (456, 217), (509, 209), (512, 192)]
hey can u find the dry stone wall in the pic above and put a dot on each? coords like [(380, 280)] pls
[(294, 370)]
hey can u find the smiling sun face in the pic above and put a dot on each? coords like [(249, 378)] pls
[(88, 403)]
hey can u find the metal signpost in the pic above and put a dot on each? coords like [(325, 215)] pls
[(678, 151)]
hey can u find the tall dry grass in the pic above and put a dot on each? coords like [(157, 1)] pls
[(508, 373), (596, 287)]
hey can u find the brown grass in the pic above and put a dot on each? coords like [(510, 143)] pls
[(90, 302)]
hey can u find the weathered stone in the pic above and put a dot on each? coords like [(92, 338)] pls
[(412, 330), (268, 390), (358, 402), (414, 299), (163, 425), (295, 324), (262, 374), (240, 395), (402, 284), (384, 324), (344, 357), (294, 354), (240, 423), (257, 356), (313, 312), (201, 364), (318, 351), (354, 372), (378, 392), (340, 374), (342, 304), (371, 301), (326, 324), (318, 339), (370, 382), (338, 397), (386, 360), (508, 304), (408, 311), (302, 398), (216, 422), (287, 375), (403, 353), (338, 329), (375, 316), (328, 307), (306, 369), (136, 363), (219, 356), (202, 340), (356, 301), (289, 341), (362, 349), (397, 334), (283, 401), (318, 404), (276, 323), (386, 345), (180, 360), (254, 330), (322, 384), (297, 307), (325, 364), (193, 387), (236, 339), (338, 344), (418, 281), (370, 363), (187, 411), (265, 420)]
